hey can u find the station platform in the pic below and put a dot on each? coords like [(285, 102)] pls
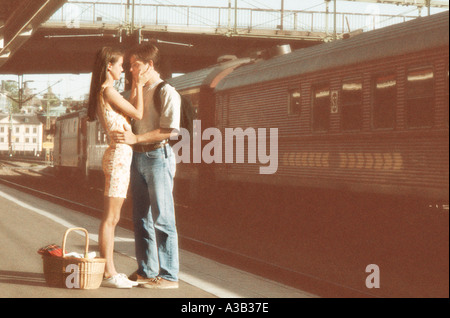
[(28, 223)]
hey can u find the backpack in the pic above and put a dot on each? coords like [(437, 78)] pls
[(187, 111)]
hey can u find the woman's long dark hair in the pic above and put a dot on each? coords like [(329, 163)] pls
[(104, 56)]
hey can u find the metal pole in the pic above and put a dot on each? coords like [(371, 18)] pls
[(127, 16), (10, 130), (335, 21), (282, 15), (20, 81), (229, 15), (327, 11), (235, 15), (132, 18)]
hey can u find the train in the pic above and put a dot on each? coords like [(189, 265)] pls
[(367, 113), (79, 145)]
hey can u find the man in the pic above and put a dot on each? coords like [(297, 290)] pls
[(152, 173)]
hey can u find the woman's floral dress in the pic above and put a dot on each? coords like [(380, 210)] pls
[(117, 158)]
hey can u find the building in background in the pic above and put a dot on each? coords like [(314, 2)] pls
[(21, 135)]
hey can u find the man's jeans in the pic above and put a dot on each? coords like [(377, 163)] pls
[(154, 213)]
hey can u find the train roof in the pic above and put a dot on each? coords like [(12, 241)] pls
[(418, 34), (206, 76)]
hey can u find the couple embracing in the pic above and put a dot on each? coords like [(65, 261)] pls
[(138, 156)]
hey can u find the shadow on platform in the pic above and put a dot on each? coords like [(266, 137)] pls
[(22, 278)]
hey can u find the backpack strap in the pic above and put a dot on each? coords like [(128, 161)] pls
[(157, 97)]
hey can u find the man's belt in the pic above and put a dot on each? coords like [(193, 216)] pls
[(148, 147)]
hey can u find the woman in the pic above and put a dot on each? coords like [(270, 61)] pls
[(114, 113)]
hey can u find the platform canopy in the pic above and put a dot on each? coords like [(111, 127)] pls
[(18, 21)]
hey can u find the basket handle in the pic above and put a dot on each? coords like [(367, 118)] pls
[(86, 242)]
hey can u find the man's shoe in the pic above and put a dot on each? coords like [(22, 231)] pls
[(135, 277), (160, 283)]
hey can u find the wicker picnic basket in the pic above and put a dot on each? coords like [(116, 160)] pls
[(90, 271)]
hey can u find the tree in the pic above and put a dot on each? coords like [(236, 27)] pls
[(11, 91), (50, 99)]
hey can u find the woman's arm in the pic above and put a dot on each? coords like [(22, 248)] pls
[(114, 98), (137, 97), (154, 136)]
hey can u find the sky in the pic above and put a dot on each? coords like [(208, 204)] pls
[(77, 85)]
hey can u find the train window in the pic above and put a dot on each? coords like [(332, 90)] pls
[(420, 98), (321, 108), (352, 105), (294, 102), (384, 101)]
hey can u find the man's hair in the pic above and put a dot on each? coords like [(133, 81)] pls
[(146, 53)]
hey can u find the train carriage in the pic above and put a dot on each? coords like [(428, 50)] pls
[(368, 113), (79, 145), (97, 143), (69, 146)]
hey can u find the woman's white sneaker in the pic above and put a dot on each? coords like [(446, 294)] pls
[(117, 281), (125, 278)]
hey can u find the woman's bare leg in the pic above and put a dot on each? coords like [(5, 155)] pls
[(111, 217)]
